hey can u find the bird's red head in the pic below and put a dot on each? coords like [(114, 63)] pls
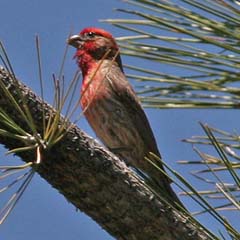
[(94, 44), (96, 31)]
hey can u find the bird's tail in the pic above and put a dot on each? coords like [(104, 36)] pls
[(160, 183)]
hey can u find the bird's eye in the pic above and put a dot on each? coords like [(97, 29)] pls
[(90, 34)]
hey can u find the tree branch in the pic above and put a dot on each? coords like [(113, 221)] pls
[(96, 181)]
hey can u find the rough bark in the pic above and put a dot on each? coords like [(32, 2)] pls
[(96, 181)]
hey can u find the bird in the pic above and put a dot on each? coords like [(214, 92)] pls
[(113, 109)]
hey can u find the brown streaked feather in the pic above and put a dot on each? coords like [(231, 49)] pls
[(126, 95)]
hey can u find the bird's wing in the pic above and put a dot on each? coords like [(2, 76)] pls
[(126, 95)]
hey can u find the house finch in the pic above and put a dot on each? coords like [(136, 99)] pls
[(112, 108)]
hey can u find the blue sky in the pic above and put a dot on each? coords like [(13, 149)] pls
[(42, 212)]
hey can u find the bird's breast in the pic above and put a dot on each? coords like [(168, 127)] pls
[(110, 120), (92, 91)]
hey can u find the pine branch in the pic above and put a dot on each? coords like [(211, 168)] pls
[(94, 180), (190, 51)]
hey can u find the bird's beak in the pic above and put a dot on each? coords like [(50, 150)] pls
[(75, 41)]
